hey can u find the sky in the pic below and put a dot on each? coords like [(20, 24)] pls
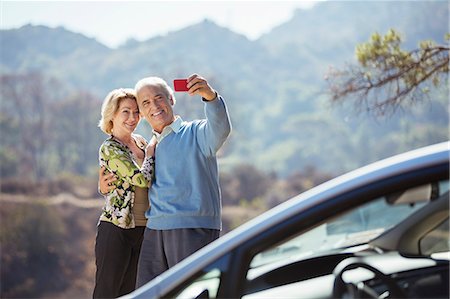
[(114, 22)]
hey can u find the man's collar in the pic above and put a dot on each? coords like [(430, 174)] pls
[(175, 126)]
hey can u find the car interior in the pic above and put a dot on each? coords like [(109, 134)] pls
[(393, 246), (409, 260)]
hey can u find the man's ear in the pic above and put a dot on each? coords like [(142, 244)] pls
[(171, 101)]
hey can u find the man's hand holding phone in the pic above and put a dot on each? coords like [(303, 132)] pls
[(197, 85)]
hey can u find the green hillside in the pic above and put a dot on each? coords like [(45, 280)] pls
[(274, 87)]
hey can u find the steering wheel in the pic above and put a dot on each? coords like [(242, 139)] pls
[(361, 290)]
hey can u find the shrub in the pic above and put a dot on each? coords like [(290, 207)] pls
[(32, 250)]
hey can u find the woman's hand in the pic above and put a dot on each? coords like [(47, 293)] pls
[(150, 149), (106, 180)]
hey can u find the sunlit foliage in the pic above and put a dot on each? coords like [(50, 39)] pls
[(388, 77)]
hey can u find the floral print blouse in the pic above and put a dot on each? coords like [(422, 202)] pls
[(119, 159)]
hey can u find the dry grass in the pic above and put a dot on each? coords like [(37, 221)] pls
[(79, 219)]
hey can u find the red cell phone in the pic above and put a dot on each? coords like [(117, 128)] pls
[(180, 85)]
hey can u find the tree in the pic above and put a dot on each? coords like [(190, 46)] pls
[(25, 98), (244, 182), (388, 77), (47, 129), (76, 136)]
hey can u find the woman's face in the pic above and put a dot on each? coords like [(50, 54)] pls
[(126, 118)]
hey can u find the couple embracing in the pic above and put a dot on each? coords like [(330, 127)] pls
[(162, 197)]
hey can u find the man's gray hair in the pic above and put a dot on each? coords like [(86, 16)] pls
[(155, 81)]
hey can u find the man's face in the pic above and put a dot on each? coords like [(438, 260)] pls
[(155, 106)]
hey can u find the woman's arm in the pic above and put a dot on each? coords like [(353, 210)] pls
[(119, 163), (148, 167)]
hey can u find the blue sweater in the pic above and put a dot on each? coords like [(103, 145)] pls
[(186, 191)]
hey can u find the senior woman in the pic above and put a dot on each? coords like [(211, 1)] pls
[(129, 160)]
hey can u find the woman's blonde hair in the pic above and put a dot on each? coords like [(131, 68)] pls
[(110, 106)]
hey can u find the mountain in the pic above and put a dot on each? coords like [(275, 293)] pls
[(36, 47), (274, 87), (327, 33), (204, 47)]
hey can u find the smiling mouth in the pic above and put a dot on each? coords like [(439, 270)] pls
[(157, 113)]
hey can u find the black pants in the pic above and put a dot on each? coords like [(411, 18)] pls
[(162, 249), (116, 257)]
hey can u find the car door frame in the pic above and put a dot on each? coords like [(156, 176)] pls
[(233, 284)]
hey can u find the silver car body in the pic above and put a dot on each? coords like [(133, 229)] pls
[(399, 164)]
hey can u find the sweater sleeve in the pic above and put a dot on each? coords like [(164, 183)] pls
[(215, 129), (120, 163)]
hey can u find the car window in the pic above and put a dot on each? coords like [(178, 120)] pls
[(354, 227), (357, 226), (205, 286)]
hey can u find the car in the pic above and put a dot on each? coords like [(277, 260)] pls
[(381, 231)]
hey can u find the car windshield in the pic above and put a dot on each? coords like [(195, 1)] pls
[(357, 226)]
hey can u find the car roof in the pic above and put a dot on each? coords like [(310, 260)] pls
[(402, 163)]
